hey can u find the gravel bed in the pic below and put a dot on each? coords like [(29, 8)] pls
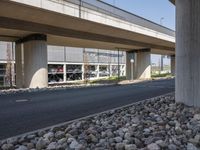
[(57, 87), (155, 124)]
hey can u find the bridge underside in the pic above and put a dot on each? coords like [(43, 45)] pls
[(18, 21), (101, 42)]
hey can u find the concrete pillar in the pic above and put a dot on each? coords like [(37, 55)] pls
[(120, 70), (173, 65), (144, 64), (110, 70), (125, 70), (13, 73), (19, 65), (64, 73), (35, 61), (188, 52), (138, 64), (83, 71), (97, 71)]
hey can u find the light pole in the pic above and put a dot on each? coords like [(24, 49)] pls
[(161, 20), (118, 67), (114, 2), (132, 62), (161, 63), (162, 57), (80, 4)]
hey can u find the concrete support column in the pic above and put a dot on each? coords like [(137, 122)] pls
[(120, 66), (83, 72), (188, 52), (64, 73), (110, 70), (144, 64), (35, 61), (13, 73), (124, 70), (97, 70), (173, 65), (19, 65), (138, 64)]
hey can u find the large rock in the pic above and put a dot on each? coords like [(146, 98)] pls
[(130, 147), (7, 147), (12, 140), (197, 117), (172, 147), (153, 146), (62, 141), (22, 148), (120, 146), (59, 134), (52, 146), (41, 144), (118, 139), (190, 146), (75, 145), (30, 145), (49, 135)]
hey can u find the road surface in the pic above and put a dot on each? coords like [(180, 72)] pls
[(24, 112)]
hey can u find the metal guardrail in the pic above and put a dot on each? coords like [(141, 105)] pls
[(116, 12)]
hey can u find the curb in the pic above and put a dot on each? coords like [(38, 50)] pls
[(2, 92)]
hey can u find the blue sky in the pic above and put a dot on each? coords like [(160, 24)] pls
[(152, 10)]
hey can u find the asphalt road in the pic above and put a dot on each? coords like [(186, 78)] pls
[(24, 112)]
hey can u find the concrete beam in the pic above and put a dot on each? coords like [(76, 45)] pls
[(75, 34)]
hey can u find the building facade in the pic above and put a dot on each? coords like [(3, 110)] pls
[(67, 64)]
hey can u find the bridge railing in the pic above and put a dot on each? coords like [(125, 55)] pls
[(118, 13)]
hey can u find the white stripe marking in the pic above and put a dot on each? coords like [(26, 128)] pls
[(21, 100)]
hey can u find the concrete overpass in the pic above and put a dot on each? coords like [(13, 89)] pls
[(80, 23)]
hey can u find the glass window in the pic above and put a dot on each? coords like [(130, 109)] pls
[(104, 71), (55, 73), (74, 72), (90, 71)]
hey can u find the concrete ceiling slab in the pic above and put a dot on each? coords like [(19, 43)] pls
[(71, 31)]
